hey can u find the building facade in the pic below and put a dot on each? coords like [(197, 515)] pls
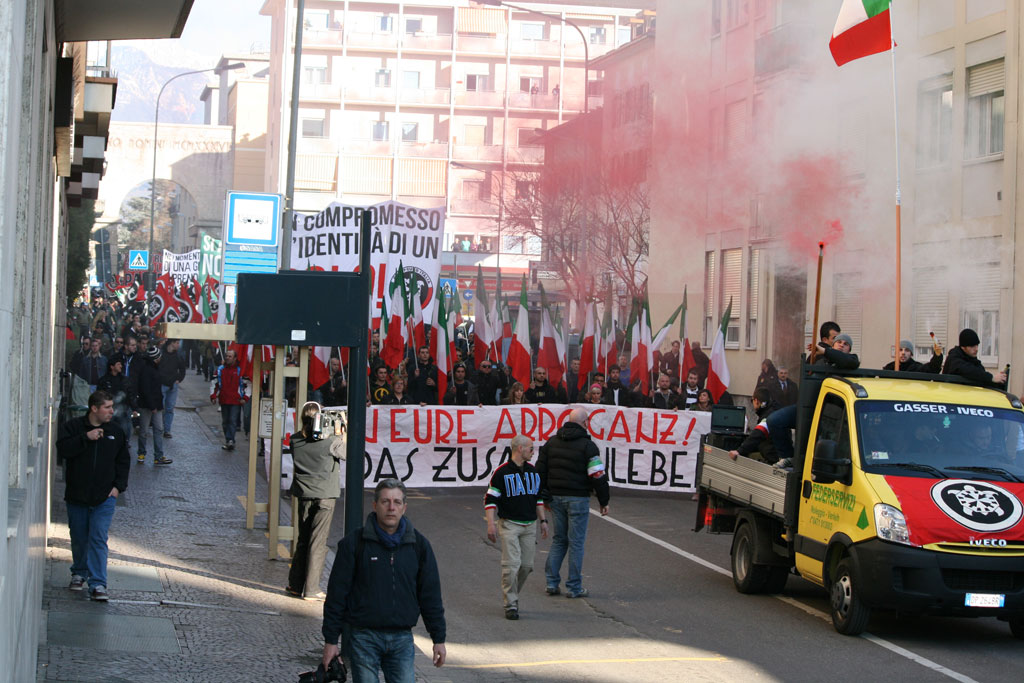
[(431, 103)]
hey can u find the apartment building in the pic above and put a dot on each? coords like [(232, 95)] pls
[(766, 148), (436, 102)]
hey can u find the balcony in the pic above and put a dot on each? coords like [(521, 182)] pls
[(433, 150), (475, 207), (479, 98), (368, 147), (425, 96), (524, 100), (477, 153), (539, 48), (378, 41), (526, 155), (369, 94), (439, 42), (308, 145), (322, 37), (320, 92), (481, 44)]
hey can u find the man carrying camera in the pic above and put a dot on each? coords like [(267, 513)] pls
[(384, 577), (316, 483)]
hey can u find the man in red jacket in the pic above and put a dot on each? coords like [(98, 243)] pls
[(231, 389)]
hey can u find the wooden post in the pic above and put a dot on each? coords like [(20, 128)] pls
[(251, 506)]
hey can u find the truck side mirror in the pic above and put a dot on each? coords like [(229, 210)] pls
[(827, 467)]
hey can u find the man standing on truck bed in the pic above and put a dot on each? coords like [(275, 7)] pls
[(963, 361), (570, 467), (908, 364)]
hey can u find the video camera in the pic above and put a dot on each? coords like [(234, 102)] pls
[(335, 672), (329, 421)]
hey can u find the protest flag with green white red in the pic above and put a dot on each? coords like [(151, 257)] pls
[(519, 349), (718, 369), (862, 29), (588, 345), (393, 348)]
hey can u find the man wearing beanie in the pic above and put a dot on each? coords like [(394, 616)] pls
[(963, 361), (839, 354), (908, 364), (151, 405)]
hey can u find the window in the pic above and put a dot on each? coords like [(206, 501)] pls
[(381, 131), (474, 135), (524, 189), (531, 84), (411, 80), (986, 324), (934, 121), (598, 35), (413, 25), (753, 296), (382, 79), (985, 104), (462, 242), (529, 30), (314, 69), (709, 298), (624, 35), (527, 137), (931, 309), (732, 275), (716, 17), (477, 189), (478, 82), (532, 245), (735, 127), (736, 12), (313, 127), (316, 20), (980, 308), (384, 24), (410, 132), (833, 426)]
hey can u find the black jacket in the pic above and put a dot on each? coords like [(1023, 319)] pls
[(418, 388), (92, 468), (117, 387), (151, 396), (488, 384), (317, 473), (451, 396), (969, 367), (545, 393), (933, 366), (172, 368), (374, 587), (334, 391), (788, 396), (838, 359), (625, 395), (570, 464), (662, 402), (758, 439)]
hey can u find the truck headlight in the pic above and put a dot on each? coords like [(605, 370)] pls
[(890, 524)]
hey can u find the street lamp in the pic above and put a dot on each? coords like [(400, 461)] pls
[(156, 127), (586, 47)]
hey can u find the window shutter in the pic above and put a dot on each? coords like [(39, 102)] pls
[(735, 128), (754, 284), (849, 311), (732, 277), (931, 307), (985, 78), (940, 82), (981, 293), (709, 284)]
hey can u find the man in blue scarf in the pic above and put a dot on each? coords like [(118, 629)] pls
[(384, 577)]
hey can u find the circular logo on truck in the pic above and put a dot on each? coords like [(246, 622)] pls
[(977, 505)]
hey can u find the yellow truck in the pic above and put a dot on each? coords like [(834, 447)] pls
[(905, 494)]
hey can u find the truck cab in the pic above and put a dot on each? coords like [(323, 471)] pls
[(905, 494)]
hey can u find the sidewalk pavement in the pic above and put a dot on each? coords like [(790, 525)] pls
[(192, 595)]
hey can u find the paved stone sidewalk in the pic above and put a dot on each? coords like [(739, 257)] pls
[(179, 535)]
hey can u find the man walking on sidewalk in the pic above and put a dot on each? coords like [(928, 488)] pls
[(514, 496), (172, 372), (570, 467), (151, 405), (96, 461), (229, 388)]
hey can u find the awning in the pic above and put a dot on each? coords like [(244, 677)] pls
[(83, 20), (480, 20)]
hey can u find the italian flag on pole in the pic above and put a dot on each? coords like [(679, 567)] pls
[(862, 29), (718, 370), (519, 351)]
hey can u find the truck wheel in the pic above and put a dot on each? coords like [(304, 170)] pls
[(777, 577), (849, 614), (1017, 627), (747, 576)]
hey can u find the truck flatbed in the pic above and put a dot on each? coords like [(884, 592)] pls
[(744, 481)]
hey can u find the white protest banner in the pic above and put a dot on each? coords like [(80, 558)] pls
[(182, 267), (329, 240), (642, 448)]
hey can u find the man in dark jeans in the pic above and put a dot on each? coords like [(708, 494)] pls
[(317, 484), (229, 388)]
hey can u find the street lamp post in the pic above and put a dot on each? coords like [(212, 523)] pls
[(156, 128), (586, 47)]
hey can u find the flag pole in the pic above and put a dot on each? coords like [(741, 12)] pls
[(899, 238), (817, 302)]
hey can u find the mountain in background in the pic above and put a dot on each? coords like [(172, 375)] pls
[(139, 79)]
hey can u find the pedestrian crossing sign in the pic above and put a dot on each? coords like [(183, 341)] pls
[(138, 259)]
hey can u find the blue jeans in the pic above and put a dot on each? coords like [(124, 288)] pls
[(372, 651), (780, 423), (170, 398), (88, 526), (229, 415), (151, 419), (570, 515)]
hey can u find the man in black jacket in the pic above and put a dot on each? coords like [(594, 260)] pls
[(384, 577), (96, 464), (541, 391), (489, 381), (908, 364), (317, 484), (963, 361), (758, 445), (423, 379), (172, 372), (570, 467), (151, 404), (615, 392), (461, 392)]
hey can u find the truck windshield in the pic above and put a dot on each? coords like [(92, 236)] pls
[(941, 440)]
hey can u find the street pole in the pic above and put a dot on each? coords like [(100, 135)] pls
[(356, 446), (156, 129), (293, 141)]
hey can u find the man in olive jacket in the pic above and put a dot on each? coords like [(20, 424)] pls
[(96, 465), (570, 467), (316, 482)]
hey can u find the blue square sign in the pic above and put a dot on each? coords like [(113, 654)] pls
[(138, 259)]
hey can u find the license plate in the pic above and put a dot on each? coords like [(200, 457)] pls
[(984, 600)]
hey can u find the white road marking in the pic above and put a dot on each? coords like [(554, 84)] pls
[(881, 642)]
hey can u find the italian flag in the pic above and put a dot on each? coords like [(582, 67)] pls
[(659, 338), (862, 29), (588, 353), (548, 356), (519, 350), (319, 366), (609, 351), (687, 362), (440, 347), (393, 345), (482, 330), (718, 370), (642, 350), (418, 324)]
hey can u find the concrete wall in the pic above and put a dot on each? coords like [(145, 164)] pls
[(32, 235)]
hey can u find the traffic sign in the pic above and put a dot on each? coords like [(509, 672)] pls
[(253, 222), (138, 259), (448, 285), (467, 294)]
